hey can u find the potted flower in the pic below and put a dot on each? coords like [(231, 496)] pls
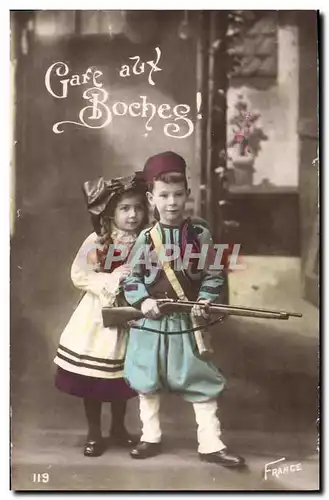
[(245, 143)]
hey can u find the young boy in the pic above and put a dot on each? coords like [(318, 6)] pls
[(168, 360)]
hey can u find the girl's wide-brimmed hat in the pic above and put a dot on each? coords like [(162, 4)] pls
[(99, 193)]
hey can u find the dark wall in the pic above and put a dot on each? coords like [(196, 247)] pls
[(52, 221), (268, 223)]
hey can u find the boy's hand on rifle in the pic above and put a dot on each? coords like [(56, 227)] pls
[(150, 309), (201, 311)]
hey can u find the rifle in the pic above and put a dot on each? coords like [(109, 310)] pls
[(118, 316)]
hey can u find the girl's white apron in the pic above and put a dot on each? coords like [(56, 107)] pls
[(85, 346)]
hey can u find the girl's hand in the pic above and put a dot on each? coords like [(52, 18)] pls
[(150, 309), (124, 270), (201, 311), (92, 257), (93, 263)]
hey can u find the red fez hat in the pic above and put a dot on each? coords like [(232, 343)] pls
[(163, 163)]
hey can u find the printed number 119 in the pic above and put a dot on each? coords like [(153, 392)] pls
[(40, 478)]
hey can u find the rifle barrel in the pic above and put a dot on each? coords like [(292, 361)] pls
[(242, 308), (225, 308), (180, 307)]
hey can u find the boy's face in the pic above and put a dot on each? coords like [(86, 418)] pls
[(170, 200), (129, 212)]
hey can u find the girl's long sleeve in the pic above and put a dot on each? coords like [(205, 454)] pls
[(85, 276)]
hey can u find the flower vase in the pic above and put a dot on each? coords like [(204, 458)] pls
[(243, 170)]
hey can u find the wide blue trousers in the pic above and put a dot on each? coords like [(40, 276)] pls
[(165, 362)]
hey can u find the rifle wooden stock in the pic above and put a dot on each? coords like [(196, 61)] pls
[(118, 316)]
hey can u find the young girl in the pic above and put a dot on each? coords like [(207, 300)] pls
[(90, 357)]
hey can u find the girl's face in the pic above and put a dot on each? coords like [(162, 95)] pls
[(129, 212), (170, 200)]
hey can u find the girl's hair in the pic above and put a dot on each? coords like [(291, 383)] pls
[(168, 178), (108, 214)]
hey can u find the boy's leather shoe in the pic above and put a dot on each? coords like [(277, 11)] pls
[(222, 457), (146, 450), (94, 448)]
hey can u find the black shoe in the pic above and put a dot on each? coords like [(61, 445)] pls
[(146, 450), (122, 438), (94, 448), (222, 457)]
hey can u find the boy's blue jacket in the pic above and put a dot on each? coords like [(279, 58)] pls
[(158, 361)]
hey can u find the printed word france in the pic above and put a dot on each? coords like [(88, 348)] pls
[(100, 110)]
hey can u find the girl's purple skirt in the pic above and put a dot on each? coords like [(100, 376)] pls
[(99, 389)]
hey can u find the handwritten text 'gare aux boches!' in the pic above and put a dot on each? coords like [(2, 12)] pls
[(100, 112)]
